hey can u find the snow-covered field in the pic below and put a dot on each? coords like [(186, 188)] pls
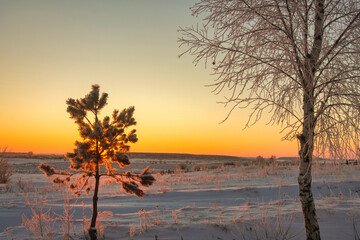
[(228, 202)]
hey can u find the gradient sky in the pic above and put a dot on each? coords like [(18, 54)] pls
[(53, 50)]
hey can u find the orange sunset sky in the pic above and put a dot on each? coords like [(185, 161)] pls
[(53, 50)]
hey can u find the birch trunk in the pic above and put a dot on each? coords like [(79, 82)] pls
[(305, 179), (307, 137)]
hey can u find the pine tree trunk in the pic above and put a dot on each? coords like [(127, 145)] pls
[(305, 193), (92, 230)]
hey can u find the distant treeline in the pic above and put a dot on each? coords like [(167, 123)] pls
[(30, 155), (183, 156), (138, 155), (143, 155)]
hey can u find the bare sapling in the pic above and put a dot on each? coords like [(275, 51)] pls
[(67, 215), (104, 142), (41, 223)]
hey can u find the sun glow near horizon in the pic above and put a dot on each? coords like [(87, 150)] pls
[(198, 138)]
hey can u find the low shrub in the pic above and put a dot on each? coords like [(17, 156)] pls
[(5, 171), (229, 164), (260, 161), (196, 168), (213, 167), (181, 166)]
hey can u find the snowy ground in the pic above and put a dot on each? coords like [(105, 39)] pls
[(231, 202)]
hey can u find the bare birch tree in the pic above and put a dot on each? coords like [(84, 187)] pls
[(298, 60)]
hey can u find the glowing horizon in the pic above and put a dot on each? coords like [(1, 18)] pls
[(52, 51)]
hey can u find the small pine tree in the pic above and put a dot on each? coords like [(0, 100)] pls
[(103, 143)]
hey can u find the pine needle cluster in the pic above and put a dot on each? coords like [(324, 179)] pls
[(104, 142)]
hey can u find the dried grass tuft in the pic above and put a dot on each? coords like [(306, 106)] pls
[(6, 170)]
